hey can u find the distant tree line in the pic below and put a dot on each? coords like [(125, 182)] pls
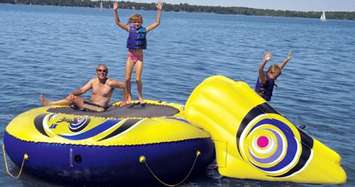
[(190, 8)]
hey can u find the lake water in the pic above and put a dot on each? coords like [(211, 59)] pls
[(52, 50)]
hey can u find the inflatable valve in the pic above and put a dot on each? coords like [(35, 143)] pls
[(198, 153), (260, 143), (141, 159), (26, 157)]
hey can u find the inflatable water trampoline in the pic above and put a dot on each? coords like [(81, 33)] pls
[(222, 118), (131, 144)]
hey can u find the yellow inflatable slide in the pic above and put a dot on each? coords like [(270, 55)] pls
[(254, 141)]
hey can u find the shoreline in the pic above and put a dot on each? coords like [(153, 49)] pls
[(184, 7)]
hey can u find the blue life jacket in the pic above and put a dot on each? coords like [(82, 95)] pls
[(137, 38), (265, 90)]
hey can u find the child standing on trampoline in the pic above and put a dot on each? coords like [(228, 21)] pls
[(136, 43)]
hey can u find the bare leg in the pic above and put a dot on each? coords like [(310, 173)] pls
[(139, 71), (70, 99), (43, 100), (128, 74), (76, 100), (46, 102), (125, 95), (124, 100)]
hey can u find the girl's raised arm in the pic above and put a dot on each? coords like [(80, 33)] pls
[(287, 59), (267, 56), (117, 18), (157, 18)]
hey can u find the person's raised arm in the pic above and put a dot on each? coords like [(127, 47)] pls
[(83, 89), (267, 56), (157, 18), (287, 59), (117, 18)]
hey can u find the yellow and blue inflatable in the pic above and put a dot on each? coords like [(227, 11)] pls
[(254, 141), (250, 139), (153, 143)]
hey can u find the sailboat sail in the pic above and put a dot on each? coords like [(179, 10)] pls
[(322, 17)]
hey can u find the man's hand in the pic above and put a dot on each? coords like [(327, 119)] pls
[(115, 6)]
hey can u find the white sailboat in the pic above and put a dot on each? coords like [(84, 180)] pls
[(322, 17), (101, 6)]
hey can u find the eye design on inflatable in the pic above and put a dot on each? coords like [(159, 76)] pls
[(78, 124), (51, 121), (273, 145)]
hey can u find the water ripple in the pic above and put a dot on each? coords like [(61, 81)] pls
[(53, 50)]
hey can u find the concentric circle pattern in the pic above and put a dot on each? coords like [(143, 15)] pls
[(270, 145), (78, 123)]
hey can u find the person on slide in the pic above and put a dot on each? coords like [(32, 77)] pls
[(266, 81)]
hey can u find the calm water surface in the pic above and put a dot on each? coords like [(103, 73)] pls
[(52, 50)]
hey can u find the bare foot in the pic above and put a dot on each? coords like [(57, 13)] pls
[(140, 99), (129, 99), (43, 100), (123, 103)]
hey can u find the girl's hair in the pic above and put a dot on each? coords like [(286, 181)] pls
[(274, 68), (135, 18)]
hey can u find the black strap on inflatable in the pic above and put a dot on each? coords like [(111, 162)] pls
[(39, 124), (127, 124)]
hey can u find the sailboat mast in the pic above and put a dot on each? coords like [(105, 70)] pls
[(322, 17)]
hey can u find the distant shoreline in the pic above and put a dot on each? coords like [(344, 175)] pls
[(184, 7)]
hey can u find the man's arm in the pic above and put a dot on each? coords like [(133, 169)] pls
[(117, 18), (157, 18), (83, 89), (120, 85), (287, 59), (117, 84), (266, 58)]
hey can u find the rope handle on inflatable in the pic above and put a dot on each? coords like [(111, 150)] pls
[(142, 159), (25, 157)]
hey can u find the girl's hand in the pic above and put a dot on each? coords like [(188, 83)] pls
[(267, 56), (115, 6), (289, 56), (160, 5)]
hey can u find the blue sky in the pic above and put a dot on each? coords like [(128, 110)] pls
[(303, 5)]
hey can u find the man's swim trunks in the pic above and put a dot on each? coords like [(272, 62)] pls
[(89, 106)]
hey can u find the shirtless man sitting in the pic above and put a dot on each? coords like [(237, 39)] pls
[(102, 89)]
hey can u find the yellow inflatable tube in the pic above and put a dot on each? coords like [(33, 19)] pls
[(253, 141)]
